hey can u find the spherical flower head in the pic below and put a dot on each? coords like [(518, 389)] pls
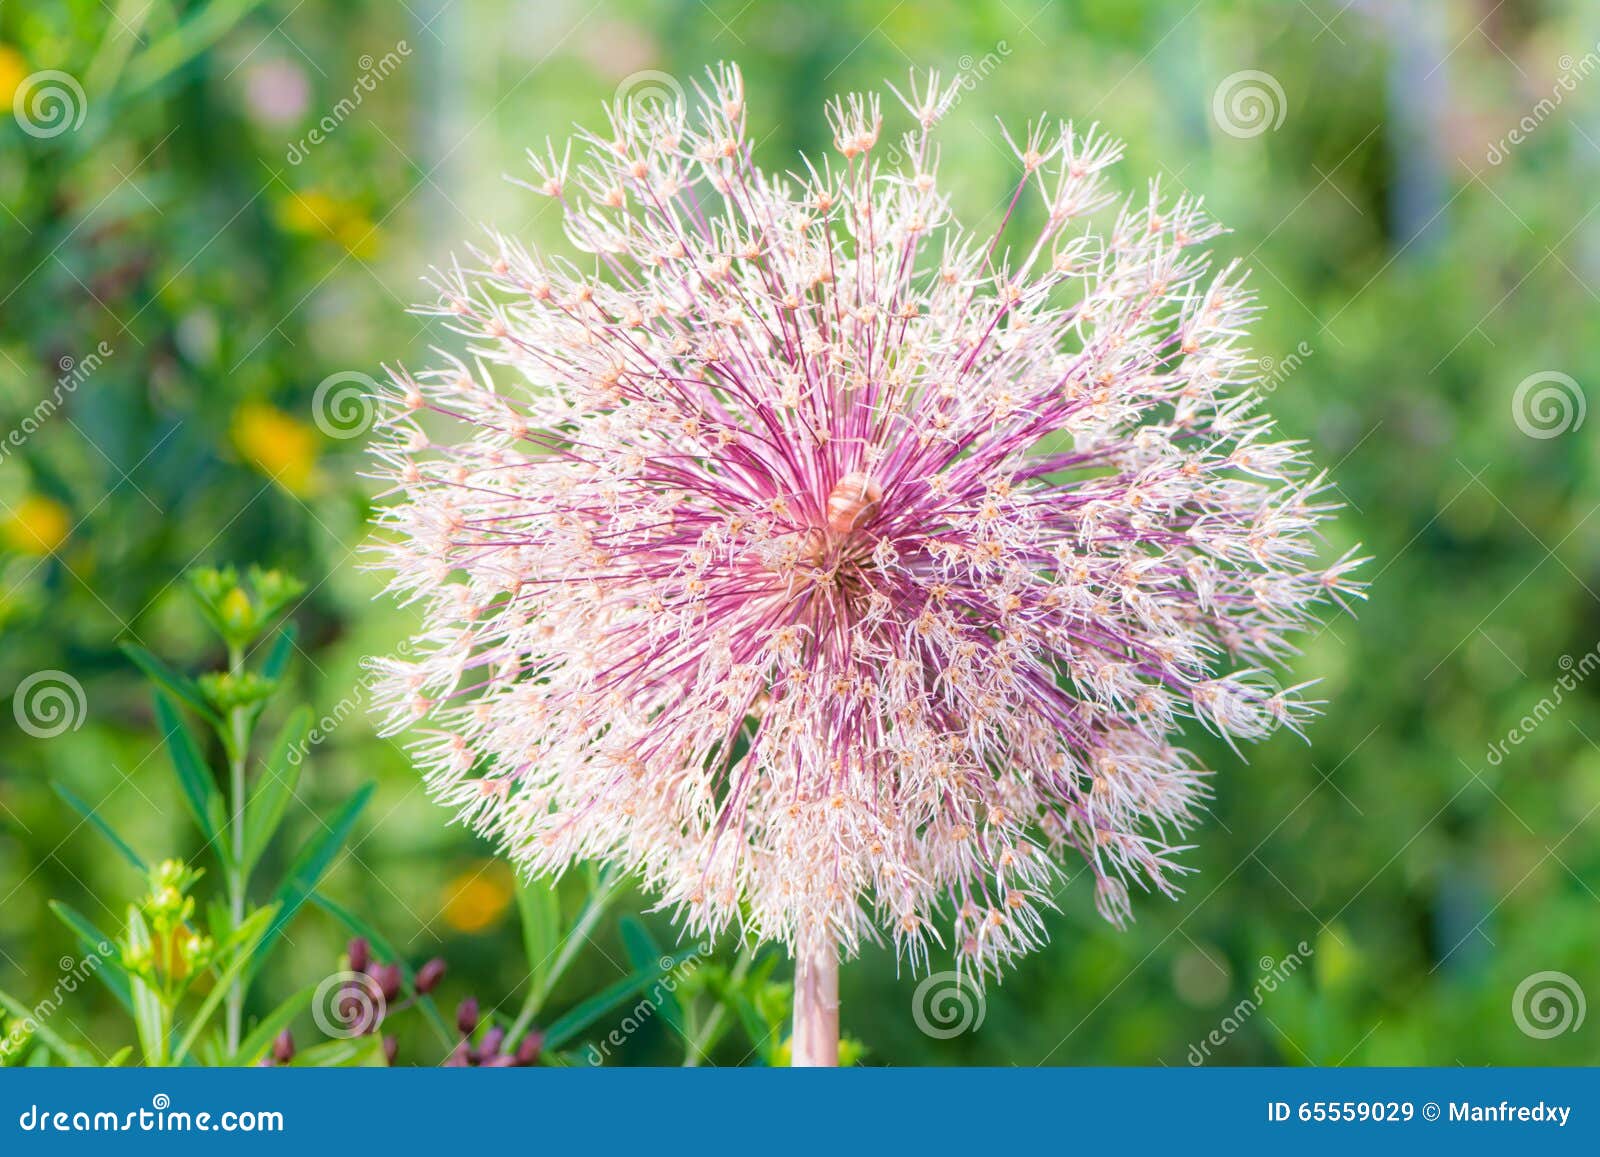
[(840, 571)]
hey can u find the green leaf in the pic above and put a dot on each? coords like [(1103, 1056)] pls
[(276, 663), (72, 1054), (97, 944), (275, 786), (149, 1015), (255, 1046), (278, 657), (306, 872), (194, 777), (643, 952), (245, 940), (762, 1038), (119, 1058), (539, 905), (564, 1028), (357, 1052), (182, 687), (100, 825)]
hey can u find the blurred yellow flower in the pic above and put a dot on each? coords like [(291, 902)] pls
[(314, 213), (13, 71), (475, 899), (277, 444), (37, 525)]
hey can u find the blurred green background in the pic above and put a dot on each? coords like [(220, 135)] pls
[(204, 266)]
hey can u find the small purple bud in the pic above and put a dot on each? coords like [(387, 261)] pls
[(460, 1057), (429, 975), (391, 1049), (388, 978), (490, 1045), (360, 954), (467, 1015), (529, 1048), (283, 1047)]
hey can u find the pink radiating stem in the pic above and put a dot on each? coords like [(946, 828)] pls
[(815, 1043)]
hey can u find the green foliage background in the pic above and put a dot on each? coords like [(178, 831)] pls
[(1411, 283)]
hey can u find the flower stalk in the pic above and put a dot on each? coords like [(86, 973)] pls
[(815, 1043)]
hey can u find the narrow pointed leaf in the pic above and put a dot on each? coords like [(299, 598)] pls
[(564, 1028), (179, 686), (255, 1046), (246, 938), (149, 1018), (540, 908), (308, 867), (119, 1058), (357, 1052), (643, 953), (199, 788), (100, 825), (72, 1054), (97, 944), (278, 657), (275, 786), (277, 662)]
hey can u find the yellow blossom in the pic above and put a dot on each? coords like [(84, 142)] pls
[(315, 213), (475, 899), (37, 525), (13, 71), (277, 444)]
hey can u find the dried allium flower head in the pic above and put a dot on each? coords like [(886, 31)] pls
[(836, 568)]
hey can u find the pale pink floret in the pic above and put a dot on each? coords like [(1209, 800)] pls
[(836, 569)]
